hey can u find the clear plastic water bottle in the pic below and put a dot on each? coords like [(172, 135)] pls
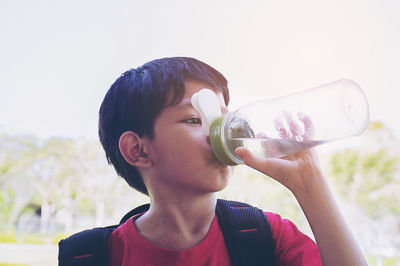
[(286, 125)]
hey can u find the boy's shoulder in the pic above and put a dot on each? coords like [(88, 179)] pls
[(246, 231)]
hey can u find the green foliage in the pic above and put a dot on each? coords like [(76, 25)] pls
[(8, 237), (391, 261), (6, 204), (58, 237), (367, 179), (5, 165), (33, 239), (11, 264), (86, 205), (30, 238)]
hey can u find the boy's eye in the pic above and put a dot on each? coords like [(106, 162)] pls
[(193, 120)]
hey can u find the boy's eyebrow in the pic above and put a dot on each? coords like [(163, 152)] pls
[(185, 103)]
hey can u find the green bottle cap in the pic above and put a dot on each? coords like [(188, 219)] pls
[(217, 143), (226, 134)]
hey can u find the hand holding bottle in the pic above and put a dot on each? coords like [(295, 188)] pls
[(295, 170), (300, 172)]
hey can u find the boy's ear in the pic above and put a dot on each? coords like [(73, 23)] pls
[(133, 150)]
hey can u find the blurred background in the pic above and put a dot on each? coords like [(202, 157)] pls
[(58, 59)]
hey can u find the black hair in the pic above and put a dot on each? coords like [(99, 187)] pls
[(137, 97)]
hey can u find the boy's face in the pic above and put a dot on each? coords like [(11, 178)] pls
[(181, 154)]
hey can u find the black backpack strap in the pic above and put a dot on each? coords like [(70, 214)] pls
[(247, 233), (90, 247), (137, 210)]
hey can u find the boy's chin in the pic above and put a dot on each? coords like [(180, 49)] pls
[(224, 175), (215, 160)]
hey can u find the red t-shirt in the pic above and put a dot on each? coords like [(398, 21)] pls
[(128, 247)]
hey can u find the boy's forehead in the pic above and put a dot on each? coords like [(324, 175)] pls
[(186, 102)]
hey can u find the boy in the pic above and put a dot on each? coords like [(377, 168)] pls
[(153, 137)]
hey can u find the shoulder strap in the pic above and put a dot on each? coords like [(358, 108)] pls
[(135, 211), (90, 247), (247, 233)]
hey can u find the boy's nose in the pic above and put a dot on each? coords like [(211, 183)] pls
[(208, 139)]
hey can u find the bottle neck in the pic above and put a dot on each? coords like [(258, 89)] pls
[(218, 140)]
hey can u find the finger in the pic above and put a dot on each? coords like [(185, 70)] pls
[(308, 125), (280, 127), (273, 167), (295, 128)]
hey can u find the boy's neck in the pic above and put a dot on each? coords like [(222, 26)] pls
[(178, 224)]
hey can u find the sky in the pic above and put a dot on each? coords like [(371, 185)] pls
[(58, 58)]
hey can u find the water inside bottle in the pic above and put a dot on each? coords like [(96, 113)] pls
[(274, 148)]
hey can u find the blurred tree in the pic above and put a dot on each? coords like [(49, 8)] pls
[(367, 180), (15, 158), (96, 178), (53, 176), (367, 177), (66, 178)]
